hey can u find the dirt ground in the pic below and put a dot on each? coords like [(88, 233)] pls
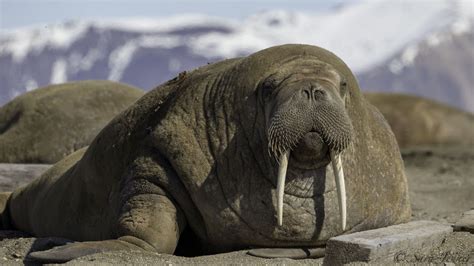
[(441, 182)]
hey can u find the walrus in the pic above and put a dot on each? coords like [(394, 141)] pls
[(417, 121), (46, 124), (233, 155)]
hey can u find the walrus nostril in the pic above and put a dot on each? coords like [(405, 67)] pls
[(318, 94), (313, 93), (307, 93)]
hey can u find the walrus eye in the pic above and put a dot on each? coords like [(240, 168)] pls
[(343, 89), (267, 88)]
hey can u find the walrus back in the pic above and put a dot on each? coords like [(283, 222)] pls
[(47, 124), (417, 121), (76, 190)]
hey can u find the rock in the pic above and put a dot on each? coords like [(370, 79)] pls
[(15, 175), (384, 245), (466, 223)]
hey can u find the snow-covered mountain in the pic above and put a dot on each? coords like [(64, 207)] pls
[(422, 47), (440, 67)]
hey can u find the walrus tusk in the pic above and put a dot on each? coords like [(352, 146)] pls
[(281, 184), (340, 185)]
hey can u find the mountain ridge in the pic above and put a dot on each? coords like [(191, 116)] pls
[(145, 52)]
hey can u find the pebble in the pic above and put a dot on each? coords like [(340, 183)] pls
[(466, 223)]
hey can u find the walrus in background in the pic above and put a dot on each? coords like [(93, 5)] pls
[(46, 124), (417, 121), (247, 152)]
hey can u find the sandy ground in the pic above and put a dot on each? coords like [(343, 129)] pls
[(441, 182)]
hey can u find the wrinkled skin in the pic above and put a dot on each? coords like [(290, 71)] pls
[(199, 153)]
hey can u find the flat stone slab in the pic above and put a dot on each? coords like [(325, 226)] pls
[(15, 175), (466, 223), (384, 245)]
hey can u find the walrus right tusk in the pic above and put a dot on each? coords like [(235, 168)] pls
[(340, 185), (284, 158)]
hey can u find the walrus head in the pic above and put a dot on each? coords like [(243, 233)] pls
[(307, 123)]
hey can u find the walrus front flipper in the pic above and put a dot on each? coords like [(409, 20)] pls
[(71, 251), (290, 253), (148, 222)]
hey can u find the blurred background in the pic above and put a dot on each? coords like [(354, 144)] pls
[(420, 47)]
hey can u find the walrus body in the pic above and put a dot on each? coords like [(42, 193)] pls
[(197, 152), (416, 121), (46, 124)]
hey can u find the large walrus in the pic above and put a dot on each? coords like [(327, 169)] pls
[(417, 121), (240, 152), (46, 124)]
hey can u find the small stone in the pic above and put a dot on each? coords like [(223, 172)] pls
[(466, 223), (386, 245)]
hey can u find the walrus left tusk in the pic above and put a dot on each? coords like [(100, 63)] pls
[(281, 184), (340, 185)]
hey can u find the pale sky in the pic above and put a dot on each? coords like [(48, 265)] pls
[(19, 13)]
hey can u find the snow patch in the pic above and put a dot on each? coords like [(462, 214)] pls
[(59, 72), (121, 57), (166, 41), (464, 13), (464, 9), (78, 62), (434, 39), (391, 24), (363, 34), (408, 56), (458, 28), (165, 23), (22, 42), (406, 59), (395, 66), (461, 26), (31, 84)]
